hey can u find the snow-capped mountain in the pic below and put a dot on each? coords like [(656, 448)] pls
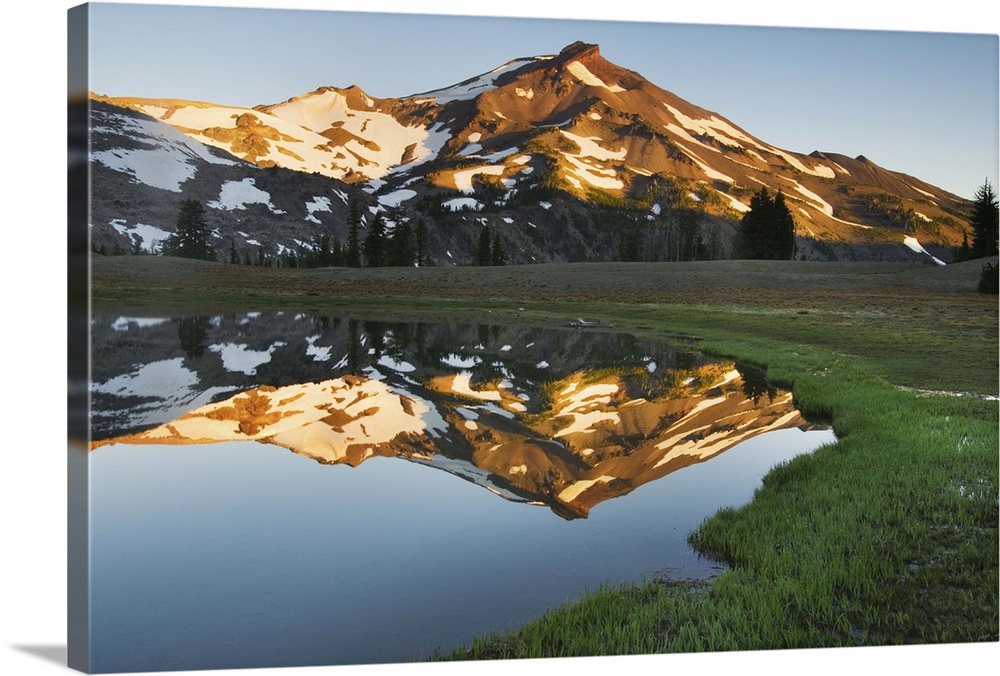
[(539, 148)]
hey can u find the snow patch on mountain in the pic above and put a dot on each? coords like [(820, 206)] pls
[(218, 125), (728, 135), (735, 203), (166, 164), (318, 203), (149, 236), (394, 199), (291, 134), (502, 155), (473, 87), (459, 203), (584, 75), (585, 163), (817, 201), (708, 171), (914, 245), (718, 129), (470, 149), (463, 179), (238, 194), (819, 170)]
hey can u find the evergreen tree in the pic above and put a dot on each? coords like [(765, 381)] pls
[(767, 231), (190, 240), (375, 243), (782, 229), (421, 244), (401, 250), (984, 221), (484, 254), (233, 256), (337, 256), (324, 255), (498, 256), (989, 279), (352, 256)]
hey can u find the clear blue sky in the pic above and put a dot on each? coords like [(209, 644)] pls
[(918, 102)]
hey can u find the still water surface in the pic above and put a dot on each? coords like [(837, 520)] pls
[(231, 526)]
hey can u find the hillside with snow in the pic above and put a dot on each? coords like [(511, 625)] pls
[(567, 156)]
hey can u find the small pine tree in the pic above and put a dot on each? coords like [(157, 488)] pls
[(989, 279), (984, 221), (401, 250), (498, 255), (421, 244), (324, 254), (484, 254), (375, 243), (190, 240)]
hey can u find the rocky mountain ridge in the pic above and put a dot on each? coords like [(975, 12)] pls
[(567, 155)]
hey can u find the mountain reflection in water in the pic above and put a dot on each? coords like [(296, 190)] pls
[(511, 409)]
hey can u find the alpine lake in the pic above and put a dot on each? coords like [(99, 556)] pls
[(283, 489)]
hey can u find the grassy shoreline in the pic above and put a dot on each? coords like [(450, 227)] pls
[(888, 537)]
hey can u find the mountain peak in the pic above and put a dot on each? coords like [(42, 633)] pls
[(572, 123), (580, 51)]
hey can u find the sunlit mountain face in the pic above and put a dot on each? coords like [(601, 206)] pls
[(540, 149), (566, 419)]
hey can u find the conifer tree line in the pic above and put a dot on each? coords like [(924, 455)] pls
[(765, 231), (406, 245), (674, 239)]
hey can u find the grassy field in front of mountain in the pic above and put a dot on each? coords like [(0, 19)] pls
[(887, 537)]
